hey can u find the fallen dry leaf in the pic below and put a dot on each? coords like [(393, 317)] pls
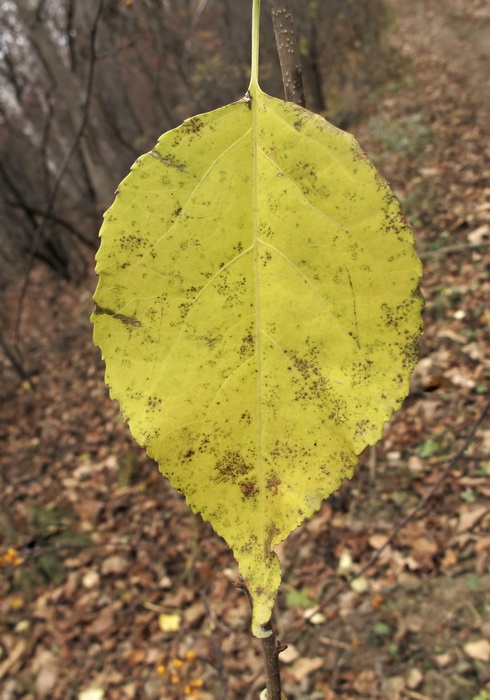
[(443, 660), (377, 540), (91, 694), (478, 650), (46, 680), (115, 564), (91, 578), (13, 657), (366, 682), (414, 678), (480, 234), (303, 667), (483, 544), (103, 623), (469, 518), (289, 654), (450, 558)]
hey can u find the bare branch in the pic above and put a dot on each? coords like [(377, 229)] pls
[(271, 650), (287, 47)]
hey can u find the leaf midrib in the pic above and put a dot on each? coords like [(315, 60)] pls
[(254, 94)]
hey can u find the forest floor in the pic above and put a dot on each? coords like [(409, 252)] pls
[(118, 592)]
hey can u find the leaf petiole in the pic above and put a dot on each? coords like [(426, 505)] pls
[(254, 71)]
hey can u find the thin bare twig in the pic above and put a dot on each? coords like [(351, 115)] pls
[(271, 650), (410, 516), (287, 48), (39, 232)]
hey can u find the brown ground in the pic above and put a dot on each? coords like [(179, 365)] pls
[(107, 545)]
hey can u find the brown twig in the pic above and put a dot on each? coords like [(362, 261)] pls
[(271, 650), (287, 48), (410, 516)]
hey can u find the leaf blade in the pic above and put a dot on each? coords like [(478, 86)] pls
[(263, 317)]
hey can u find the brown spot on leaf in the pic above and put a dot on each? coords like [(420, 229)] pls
[(192, 126), (249, 489), (153, 402), (247, 417), (247, 346), (273, 483), (232, 466)]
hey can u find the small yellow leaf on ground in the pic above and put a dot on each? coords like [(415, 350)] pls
[(345, 563), (12, 558), (169, 623), (360, 584)]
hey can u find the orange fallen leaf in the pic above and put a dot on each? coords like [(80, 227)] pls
[(450, 559)]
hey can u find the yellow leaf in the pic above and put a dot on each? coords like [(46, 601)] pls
[(169, 623), (15, 602), (360, 584), (258, 312)]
